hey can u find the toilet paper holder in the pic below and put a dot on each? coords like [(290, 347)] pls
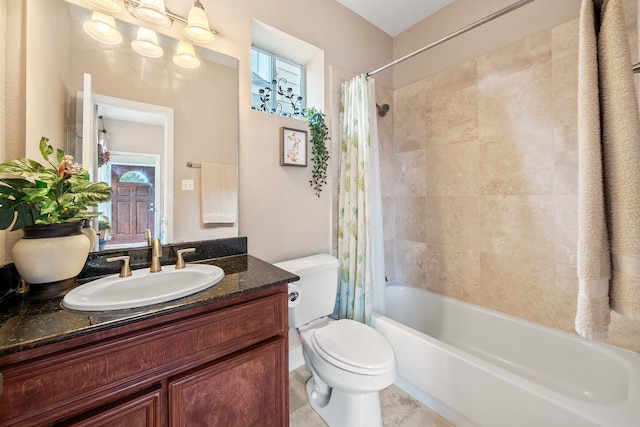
[(294, 295)]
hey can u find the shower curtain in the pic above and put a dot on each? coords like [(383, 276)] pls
[(360, 240), (608, 173)]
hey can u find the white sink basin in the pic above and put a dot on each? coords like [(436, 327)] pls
[(142, 288)]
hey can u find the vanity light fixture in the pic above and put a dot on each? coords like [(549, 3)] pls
[(146, 44), (186, 55), (106, 5), (152, 12), (102, 27), (197, 28)]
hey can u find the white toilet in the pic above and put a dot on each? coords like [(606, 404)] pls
[(350, 361)]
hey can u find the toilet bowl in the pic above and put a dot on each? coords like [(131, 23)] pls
[(350, 362)]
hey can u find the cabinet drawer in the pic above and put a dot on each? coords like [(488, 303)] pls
[(83, 379), (143, 410)]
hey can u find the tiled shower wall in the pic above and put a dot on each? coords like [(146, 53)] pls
[(479, 177)]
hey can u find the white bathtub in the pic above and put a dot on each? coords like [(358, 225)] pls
[(478, 367)]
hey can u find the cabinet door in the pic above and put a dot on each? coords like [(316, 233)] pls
[(249, 389), (143, 410)]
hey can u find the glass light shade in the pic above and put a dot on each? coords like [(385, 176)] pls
[(152, 12), (146, 44), (186, 56), (106, 5), (197, 28), (102, 27)]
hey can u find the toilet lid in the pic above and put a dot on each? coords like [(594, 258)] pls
[(354, 346)]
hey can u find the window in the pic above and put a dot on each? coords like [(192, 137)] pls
[(277, 84)]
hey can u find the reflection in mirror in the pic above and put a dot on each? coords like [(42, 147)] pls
[(139, 199), (158, 117)]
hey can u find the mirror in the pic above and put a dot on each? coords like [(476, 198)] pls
[(158, 117)]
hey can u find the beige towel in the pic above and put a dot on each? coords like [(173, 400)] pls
[(621, 152), (592, 317), (219, 191)]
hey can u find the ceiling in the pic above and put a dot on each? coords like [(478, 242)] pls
[(394, 16)]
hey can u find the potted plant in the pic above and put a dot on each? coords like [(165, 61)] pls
[(104, 225), (319, 149), (49, 203)]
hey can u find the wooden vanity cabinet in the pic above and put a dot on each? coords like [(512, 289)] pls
[(222, 364)]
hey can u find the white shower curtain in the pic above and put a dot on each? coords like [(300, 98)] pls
[(360, 238)]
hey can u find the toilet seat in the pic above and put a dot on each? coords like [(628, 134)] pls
[(354, 346)]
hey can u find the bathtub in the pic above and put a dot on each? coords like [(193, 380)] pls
[(478, 367)]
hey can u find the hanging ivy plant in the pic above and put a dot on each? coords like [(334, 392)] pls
[(319, 150)]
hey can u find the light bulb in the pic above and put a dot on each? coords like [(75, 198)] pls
[(186, 56), (146, 44), (102, 27), (197, 28), (152, 12)]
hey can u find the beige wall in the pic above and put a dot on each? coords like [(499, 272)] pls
[(484, 206), (527, 20)]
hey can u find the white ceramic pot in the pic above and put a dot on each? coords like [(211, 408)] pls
[(49, 258)]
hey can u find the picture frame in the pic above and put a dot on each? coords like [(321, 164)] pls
[(293, 147)]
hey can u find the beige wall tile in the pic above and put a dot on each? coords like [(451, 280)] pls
[(624, 332), (459, 77), (564, 39), (387, 174), (410, 219), (454, 221), (519, 56), (515, 133), (522, 287), (566, 229), (565, 143), (452, 169), (452, 115), (454, 272), (518, 226), (515, 106), (565, 90), (410, 263), (411, 179), (410, 132), (390, 259), (566, 297)]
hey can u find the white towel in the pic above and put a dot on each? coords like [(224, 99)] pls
[(594, 270), (608, 165), (219, 191), (621, 152)]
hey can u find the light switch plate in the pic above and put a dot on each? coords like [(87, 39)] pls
[(187, 185)]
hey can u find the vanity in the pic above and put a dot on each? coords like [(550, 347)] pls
[(215, 358)]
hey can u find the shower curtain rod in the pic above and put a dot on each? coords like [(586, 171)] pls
[(476, 24)]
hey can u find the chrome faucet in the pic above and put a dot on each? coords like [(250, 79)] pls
[(156, 254)]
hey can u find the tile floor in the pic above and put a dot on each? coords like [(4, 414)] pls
[(398, 408)]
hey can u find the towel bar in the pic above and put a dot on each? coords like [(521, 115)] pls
[(194, 165)]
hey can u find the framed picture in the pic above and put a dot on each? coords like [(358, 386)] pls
[(293, 147)]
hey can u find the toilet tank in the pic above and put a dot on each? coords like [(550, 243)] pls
[(318, 286)]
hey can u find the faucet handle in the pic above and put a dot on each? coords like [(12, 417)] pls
[(180, 262), (126, 270), (148, 236)]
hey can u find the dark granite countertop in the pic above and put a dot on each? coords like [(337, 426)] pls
[(29, 324)]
